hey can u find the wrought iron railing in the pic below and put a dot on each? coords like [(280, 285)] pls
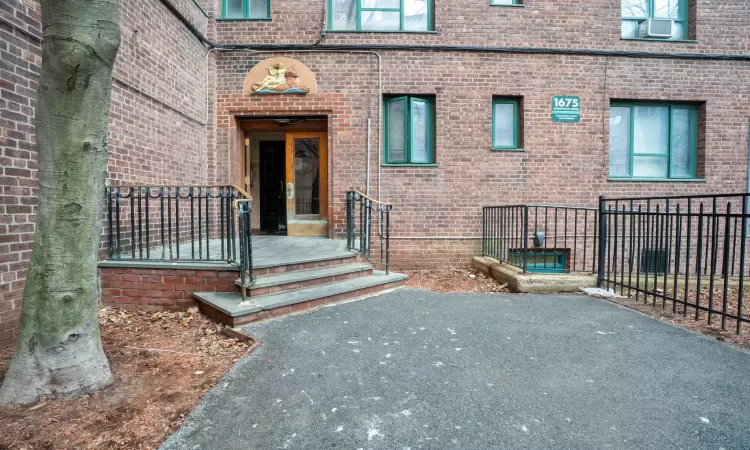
[(689, 252), (180, 224), (541, 238), (362, 215)]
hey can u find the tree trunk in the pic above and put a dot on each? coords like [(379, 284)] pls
[(60, 350)]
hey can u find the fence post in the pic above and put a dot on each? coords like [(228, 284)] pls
[(602, 241), (525, 238)]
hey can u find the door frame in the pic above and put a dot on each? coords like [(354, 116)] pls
[(307, 225), (262, 204)]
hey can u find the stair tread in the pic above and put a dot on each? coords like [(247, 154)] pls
[(229, 302), (296, 259), (304, 275)]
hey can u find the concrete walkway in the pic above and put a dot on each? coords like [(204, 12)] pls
[(419, 370)]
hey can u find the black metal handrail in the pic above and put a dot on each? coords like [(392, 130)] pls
[(244, 209), (688, 250), (359, 224), (542, 238), (181, 224)]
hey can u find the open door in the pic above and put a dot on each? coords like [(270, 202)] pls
[(307, 183)]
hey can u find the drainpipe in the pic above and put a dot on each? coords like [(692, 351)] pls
[(369, 137), (747, 186)]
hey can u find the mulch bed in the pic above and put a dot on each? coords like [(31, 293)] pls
[(453, 279), (663, 310), (153, 391)]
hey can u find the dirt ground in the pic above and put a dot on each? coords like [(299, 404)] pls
[(684, 316), (153, 391), (453, 279)]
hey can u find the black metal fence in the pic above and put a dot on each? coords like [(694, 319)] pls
[(542, 238), (180, 223), (362, 215), (685, 252)]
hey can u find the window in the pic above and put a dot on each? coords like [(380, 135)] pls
[(246, 9), (505, 2), (380, 15), (540, 260), (636, 13), (652, 140), (409, 130), (505, 123)]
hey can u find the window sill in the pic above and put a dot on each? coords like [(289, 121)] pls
[(510, 6), (408, 165), (657, 180), (511, 150), (382, 32), (243, 19), (678, 41)]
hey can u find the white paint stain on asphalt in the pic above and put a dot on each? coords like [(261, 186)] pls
[(339, 429), (451, 331), (291, 371), (705, 420), (439, 364)]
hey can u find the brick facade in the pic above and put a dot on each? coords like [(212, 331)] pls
[(160, 289), (159, 107), (156, 130)]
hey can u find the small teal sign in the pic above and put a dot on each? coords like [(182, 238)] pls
[(566, 109)]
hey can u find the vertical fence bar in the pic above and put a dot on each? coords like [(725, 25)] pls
[(687, 255), (148, 239), (742, 262), (601, 240), (117, 224), (678, 248), (725, 265), (110, 244), (525, 238), (698, 262)]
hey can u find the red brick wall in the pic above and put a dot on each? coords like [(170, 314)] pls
[(160, 289), (20, 56), (156, 131), (565, 164), (721, 26)]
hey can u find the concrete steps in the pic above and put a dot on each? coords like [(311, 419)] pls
[(284, 287), (287, 281)]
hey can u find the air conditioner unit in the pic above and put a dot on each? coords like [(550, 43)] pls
[(656, 28)]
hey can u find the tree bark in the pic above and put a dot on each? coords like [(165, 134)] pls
[(60, 349)]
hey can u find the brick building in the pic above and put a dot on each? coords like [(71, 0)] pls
[(447, 103)]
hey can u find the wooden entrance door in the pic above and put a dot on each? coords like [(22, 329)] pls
[(307, 183)]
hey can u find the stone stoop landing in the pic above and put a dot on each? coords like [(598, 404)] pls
[(295, 286)]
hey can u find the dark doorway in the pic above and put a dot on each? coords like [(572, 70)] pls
[(272, 187)]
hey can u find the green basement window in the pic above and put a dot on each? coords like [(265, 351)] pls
[(539, 260), (655, 19), (246, 9), (652, 140), (380, 15), (409, 130), (505, 2), (505, 123)]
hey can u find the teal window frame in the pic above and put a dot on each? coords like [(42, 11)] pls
[(400, 9), (516, 122), (409, 131), (683, 18), (246, 16), (533, 255), (512, 3), (693, 108)]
